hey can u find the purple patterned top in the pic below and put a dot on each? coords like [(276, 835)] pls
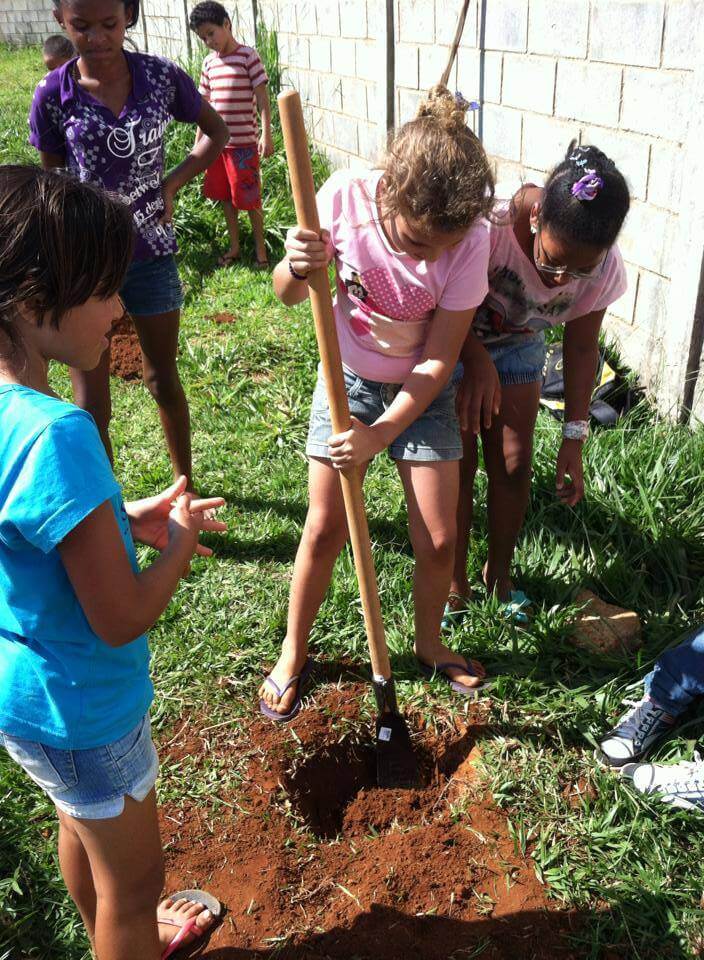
[(124, 154)]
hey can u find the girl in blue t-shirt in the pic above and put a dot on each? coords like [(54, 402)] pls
[(74, 605)]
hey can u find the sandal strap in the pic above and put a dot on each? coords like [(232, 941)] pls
[(443, 667), (289, 683), (188, 927)]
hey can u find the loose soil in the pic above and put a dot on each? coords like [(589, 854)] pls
[(125, 352), (312, 860)]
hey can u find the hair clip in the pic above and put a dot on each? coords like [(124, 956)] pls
[(580, 157), (588, 186), (465, 104)]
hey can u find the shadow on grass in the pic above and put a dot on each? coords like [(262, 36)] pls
[(387, 534), (629, 928)]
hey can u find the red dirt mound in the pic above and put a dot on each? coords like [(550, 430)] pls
[(223, 318), (312, 860), (125, 352)]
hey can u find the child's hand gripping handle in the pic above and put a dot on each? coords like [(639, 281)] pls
[(296, 144)]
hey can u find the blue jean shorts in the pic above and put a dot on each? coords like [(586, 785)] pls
[(152, 286), (91, 784), (435, 435), (520, 360)]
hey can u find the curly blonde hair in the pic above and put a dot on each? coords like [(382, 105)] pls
[(436, 172)]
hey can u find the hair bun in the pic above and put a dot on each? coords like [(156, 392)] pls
[(448, 109)]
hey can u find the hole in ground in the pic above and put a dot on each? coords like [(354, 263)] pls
[(335, 791), (323, 785)]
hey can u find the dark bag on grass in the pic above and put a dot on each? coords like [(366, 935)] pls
[(611, 398)]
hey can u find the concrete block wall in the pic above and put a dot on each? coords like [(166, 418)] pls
[(331, 54), (26, 21)]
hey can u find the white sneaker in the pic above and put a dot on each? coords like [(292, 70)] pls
[(679, 784)]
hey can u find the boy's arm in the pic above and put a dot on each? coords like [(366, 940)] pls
[(266, 142)]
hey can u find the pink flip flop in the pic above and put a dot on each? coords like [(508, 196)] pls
[(190, 926)]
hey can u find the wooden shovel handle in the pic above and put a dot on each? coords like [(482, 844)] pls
[(301, 173)]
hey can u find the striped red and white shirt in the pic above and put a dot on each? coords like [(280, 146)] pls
[(228, 83)]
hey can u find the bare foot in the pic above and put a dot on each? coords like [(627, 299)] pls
[(228, 258), (289, 664), (180, 912), (502, 586), (443, 654)]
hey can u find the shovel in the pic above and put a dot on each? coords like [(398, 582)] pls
[(396, 764)]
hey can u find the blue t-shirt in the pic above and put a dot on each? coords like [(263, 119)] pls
[(60, 684)]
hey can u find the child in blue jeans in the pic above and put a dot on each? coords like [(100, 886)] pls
[(674, 684), (74, 605)]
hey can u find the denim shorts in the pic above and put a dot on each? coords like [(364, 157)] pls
[(435, 435), (519, 361), (152, 286), (91, 784)]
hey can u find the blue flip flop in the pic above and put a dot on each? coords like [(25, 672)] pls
[(438, 670), (300, 678), (516, 608)]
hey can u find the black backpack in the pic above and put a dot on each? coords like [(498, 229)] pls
[(611, 398)]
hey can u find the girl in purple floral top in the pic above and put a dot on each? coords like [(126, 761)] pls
[(103, 116)]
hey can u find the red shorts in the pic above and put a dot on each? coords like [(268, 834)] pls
[(235, 177)]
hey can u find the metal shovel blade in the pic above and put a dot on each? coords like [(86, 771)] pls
[(396, 763)]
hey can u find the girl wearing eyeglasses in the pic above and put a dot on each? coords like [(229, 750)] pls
[(553, 261)]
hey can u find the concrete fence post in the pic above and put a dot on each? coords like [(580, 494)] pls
[(683, 334)]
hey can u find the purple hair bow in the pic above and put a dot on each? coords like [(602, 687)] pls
[(588, 186)]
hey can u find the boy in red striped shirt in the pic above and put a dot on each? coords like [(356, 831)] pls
[(233, 79)]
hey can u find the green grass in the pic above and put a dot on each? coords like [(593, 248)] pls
[(637, 540)]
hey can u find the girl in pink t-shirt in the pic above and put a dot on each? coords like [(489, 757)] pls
[(553, 261), (411, 250)]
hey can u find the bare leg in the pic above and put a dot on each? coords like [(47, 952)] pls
[(158, 337), (508, 453), (431, 494), (324, 536), (465, 510), (257, 219), (75, 869), (233, 228), (126, 865), (91, 391)]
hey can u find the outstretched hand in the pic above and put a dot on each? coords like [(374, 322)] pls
[(150, 518)]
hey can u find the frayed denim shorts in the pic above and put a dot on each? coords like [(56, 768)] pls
[(519, 360), (91, 784), (434, 436), (152, 286)]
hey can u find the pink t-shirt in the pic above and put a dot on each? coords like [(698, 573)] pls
[(518, 303), (386, 300)]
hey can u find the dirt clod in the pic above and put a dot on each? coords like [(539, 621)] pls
[(605, 627), (125, 352)]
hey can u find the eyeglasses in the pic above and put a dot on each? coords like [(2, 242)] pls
[(554, 271)]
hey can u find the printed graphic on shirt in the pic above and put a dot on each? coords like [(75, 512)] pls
[(378, 291), (124, 155), (508, 309)]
